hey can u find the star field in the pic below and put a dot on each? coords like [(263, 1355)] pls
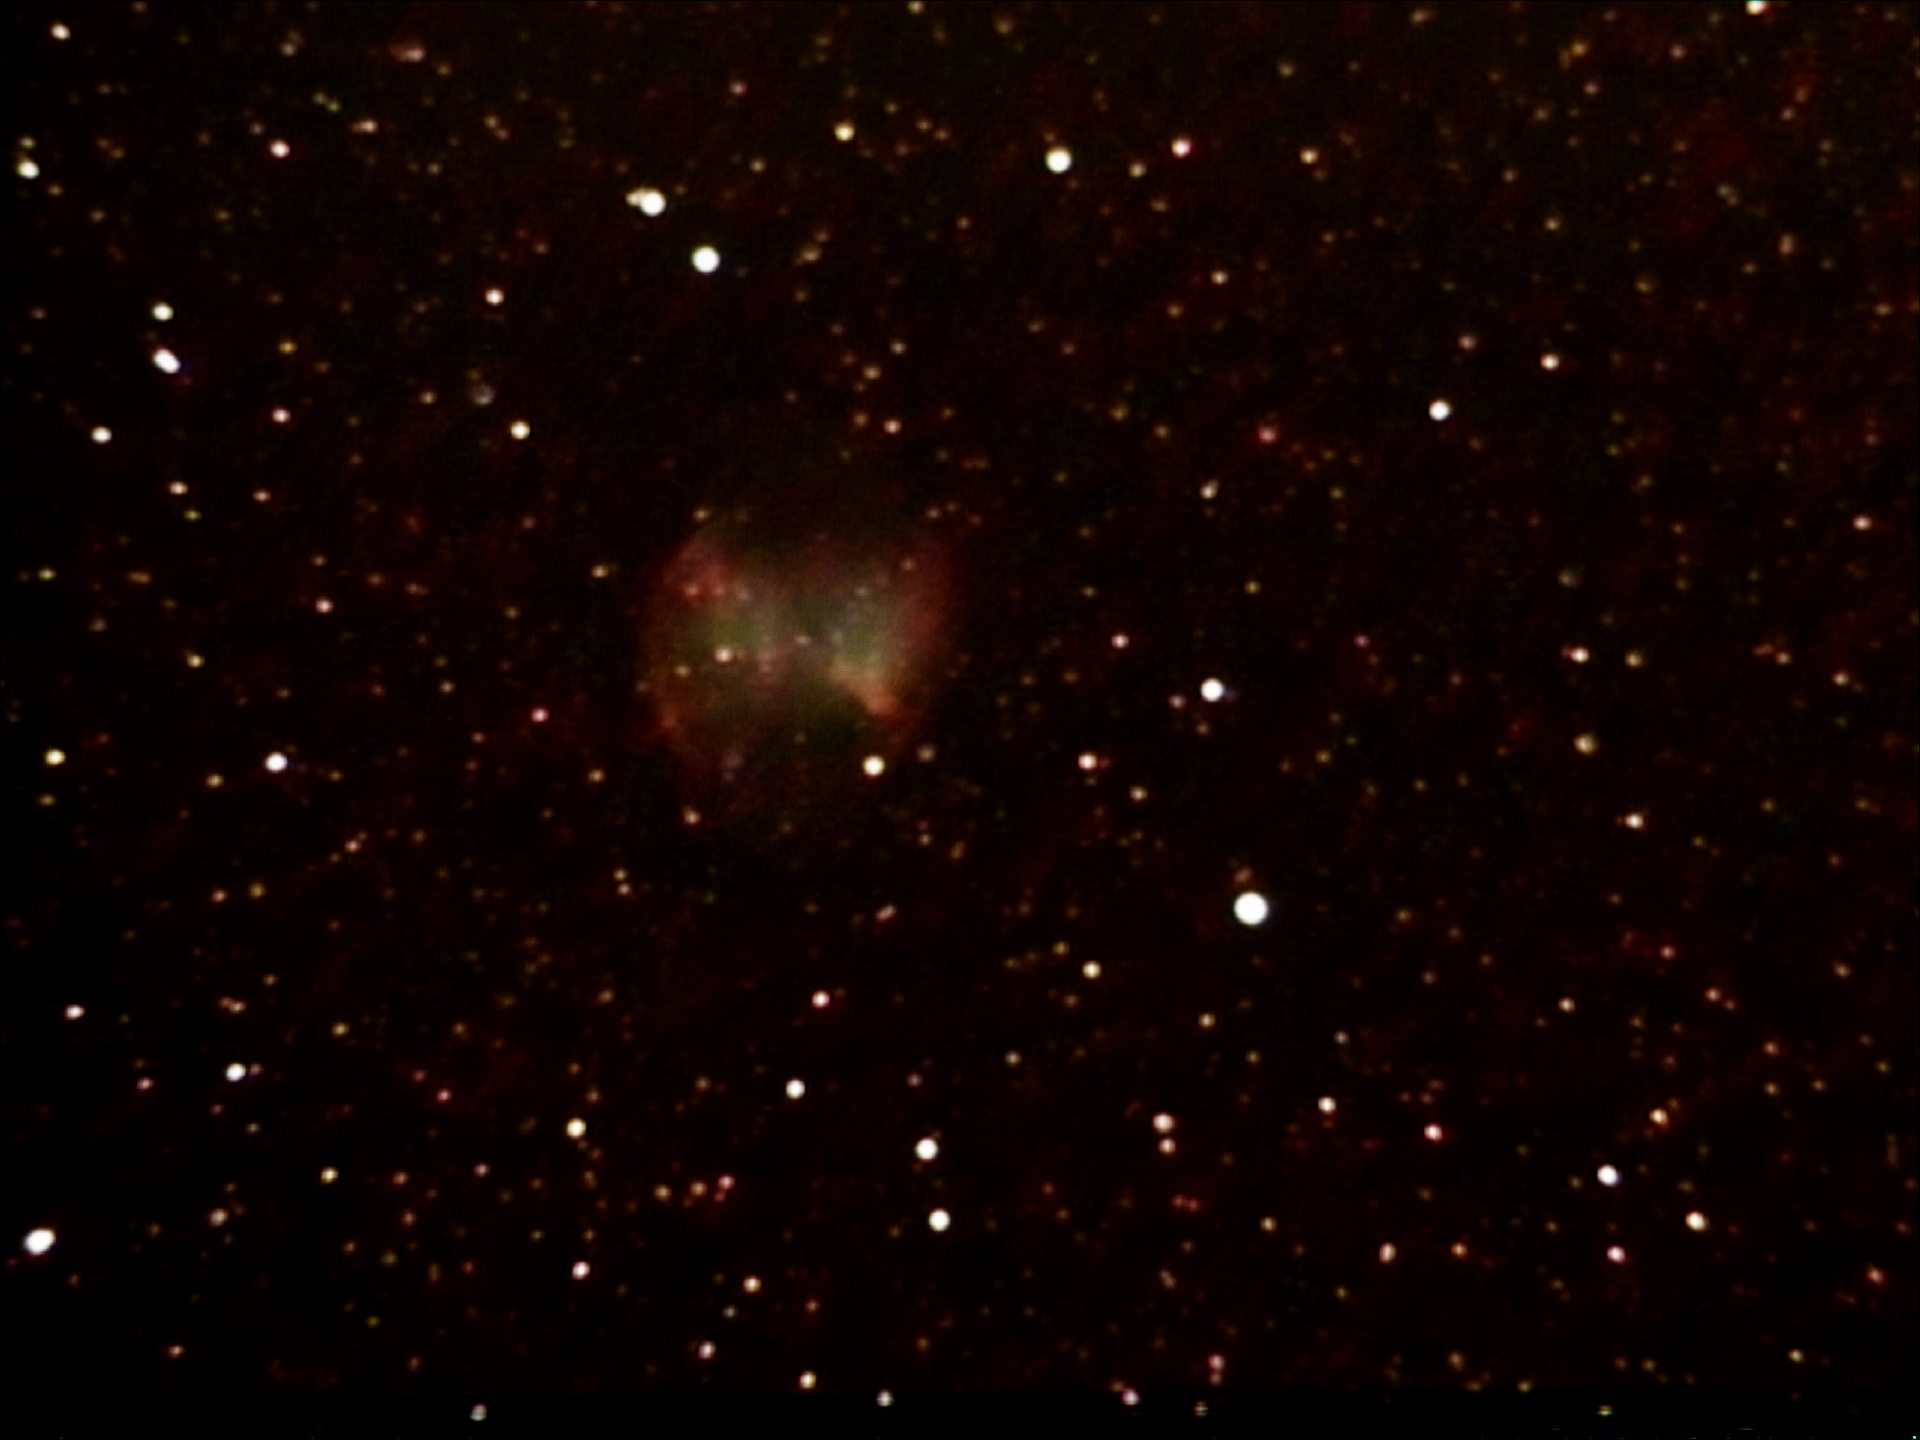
[(1146, 701)]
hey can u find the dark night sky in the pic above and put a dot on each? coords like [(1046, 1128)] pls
[(1449, 472)]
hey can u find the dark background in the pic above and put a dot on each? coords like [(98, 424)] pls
[(1570, 737)]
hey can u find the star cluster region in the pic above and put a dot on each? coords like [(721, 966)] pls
[(1447, 472)]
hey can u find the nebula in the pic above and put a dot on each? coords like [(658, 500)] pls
[(792, 638)]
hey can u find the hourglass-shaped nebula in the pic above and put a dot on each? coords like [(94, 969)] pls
[(768, 633)]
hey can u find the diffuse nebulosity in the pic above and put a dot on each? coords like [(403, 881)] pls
[(793, 638)]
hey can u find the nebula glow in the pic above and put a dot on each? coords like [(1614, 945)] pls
[(775, 637)]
